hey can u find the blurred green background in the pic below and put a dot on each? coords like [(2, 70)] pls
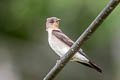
[(24, 50)]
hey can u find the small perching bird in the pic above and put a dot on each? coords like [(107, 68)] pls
[(60, 43)]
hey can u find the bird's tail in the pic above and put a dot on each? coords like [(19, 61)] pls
[(91, 65)]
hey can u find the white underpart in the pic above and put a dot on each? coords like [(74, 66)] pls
[(61, 48)]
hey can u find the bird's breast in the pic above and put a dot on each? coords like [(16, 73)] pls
[(57, 45), (61, 48)]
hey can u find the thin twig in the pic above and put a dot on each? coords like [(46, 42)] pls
[(86, 34)]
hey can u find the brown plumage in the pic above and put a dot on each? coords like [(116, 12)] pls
[(60, 43), (59, 34)]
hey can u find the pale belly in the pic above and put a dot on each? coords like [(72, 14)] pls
[(61, 48)]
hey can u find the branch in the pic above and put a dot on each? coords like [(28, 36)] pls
[(86, 34)]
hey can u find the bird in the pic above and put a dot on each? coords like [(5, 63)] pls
[(60, 43)]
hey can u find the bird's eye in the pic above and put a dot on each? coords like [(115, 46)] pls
[(52, 21)]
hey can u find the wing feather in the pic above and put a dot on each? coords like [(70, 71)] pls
[(61, 36)]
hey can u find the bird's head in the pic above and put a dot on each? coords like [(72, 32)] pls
[(52, 23)]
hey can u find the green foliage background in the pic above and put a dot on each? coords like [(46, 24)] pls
[(24, 50)]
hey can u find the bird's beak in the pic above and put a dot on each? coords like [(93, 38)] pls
[(58, 19)]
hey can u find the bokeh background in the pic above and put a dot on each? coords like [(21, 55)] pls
[(24, 50)]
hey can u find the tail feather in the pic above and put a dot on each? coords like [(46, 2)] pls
[(91, 65), (95, 67)]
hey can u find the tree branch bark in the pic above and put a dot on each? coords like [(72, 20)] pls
[(85, 35)]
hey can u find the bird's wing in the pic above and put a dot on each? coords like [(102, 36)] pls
[(61, 36)]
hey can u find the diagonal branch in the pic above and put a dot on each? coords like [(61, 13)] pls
[(86, 34)]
